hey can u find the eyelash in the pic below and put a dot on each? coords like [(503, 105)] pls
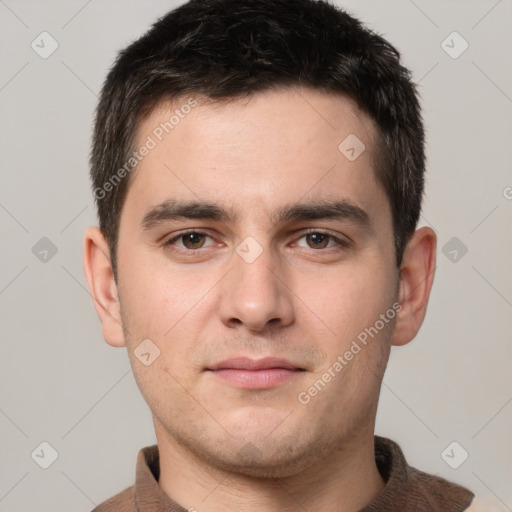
[(342, 244)]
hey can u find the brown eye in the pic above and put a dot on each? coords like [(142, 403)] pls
[(189, 240), (317, 240), (193, 240)]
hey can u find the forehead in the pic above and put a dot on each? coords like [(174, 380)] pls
[(255, 154)]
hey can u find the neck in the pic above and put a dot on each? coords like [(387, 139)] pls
[(346, 481)]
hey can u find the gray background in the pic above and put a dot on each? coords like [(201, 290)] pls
[(61, 383)]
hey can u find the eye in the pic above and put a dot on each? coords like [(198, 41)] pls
[(189, 240), (321, 240)]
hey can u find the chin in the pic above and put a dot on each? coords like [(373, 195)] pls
[(283, 458)]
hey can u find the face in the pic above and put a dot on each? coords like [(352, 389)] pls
[(258, 297)]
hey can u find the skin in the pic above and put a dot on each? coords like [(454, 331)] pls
[(305, 299)]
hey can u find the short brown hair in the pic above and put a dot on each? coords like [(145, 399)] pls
[(225, 49)]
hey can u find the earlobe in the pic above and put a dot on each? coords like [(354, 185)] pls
[(100, 279), (416, 279)]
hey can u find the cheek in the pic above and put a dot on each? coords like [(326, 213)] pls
[(167, 307), (347, 302), (152, 294)]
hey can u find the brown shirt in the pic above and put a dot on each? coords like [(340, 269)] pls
[(407, 489)]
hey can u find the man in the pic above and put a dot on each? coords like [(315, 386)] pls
[(258, 168)]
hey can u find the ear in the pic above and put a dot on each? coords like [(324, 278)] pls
[(103, 288), (416, 278)]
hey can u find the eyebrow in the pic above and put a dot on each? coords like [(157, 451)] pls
[(171, 210)]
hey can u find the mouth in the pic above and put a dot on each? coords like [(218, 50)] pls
[(246, 373)]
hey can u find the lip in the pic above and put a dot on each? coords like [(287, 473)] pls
[(246, 363), (246, 373)]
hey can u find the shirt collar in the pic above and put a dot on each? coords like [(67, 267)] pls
[(406, 488)]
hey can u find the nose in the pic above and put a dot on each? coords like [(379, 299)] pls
[(255, 294)]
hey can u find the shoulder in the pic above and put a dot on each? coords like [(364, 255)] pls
[(121, 502), (437, 491)]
